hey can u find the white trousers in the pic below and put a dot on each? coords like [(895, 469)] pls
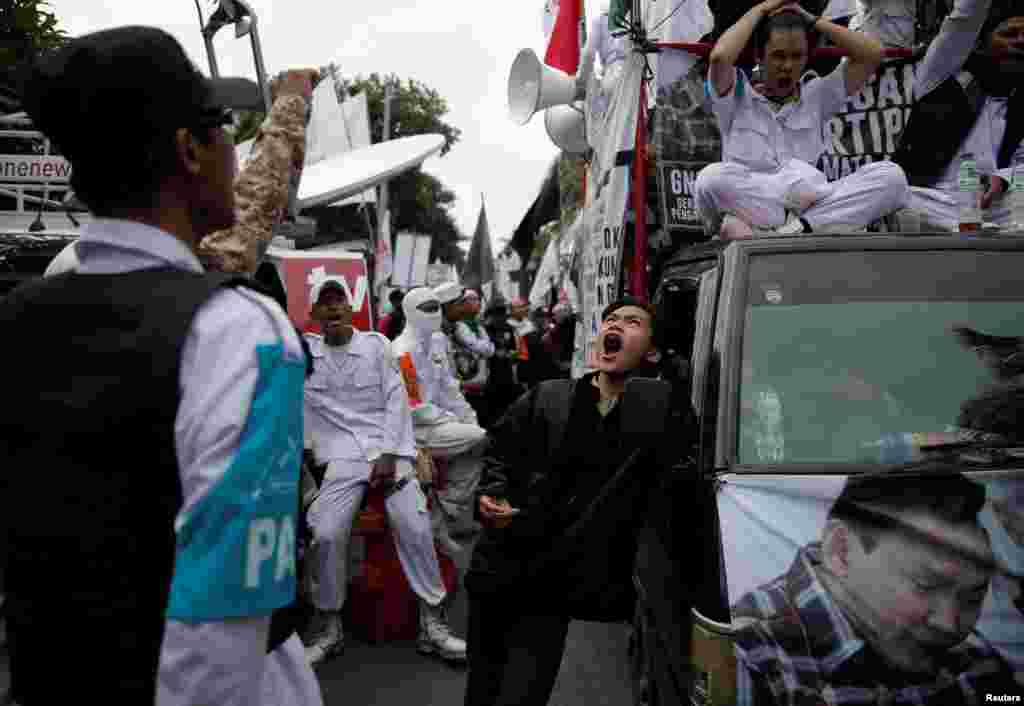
[(758, 198), (331, 516), (939, 209), (461, 445), (289, 679)]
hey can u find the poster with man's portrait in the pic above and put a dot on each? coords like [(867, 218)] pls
[(898, 587)]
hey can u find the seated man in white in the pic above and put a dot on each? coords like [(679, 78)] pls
[(772, 132), (443, 421), (358, 415)]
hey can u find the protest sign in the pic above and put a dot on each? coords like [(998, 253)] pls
[(605, 215)]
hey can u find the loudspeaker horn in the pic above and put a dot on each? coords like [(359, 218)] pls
[(533, 86), (567, 128)]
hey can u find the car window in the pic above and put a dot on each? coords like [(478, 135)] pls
[(867, 357)]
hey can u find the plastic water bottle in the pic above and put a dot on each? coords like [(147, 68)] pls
[(768, 438), (1016, 194), (969, 185)]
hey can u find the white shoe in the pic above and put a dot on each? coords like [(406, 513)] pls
[(802, 195), (735, 228), (435, 635), (327, 638), (792, 226)]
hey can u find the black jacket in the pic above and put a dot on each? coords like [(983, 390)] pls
[(582, 489), (951, 110)]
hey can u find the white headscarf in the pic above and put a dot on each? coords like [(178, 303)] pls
[(420, 324)]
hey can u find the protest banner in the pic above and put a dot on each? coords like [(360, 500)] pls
[(605, 215), (869, 126)]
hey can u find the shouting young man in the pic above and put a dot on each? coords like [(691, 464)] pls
[(550, 459)]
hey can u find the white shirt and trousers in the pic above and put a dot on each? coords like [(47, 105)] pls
[(939, 206), (446, 425), (356, 410), (218, 663), (768, 150)]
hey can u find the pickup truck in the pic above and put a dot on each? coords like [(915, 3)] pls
[(811, 362)]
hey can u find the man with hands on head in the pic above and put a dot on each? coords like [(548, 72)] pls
[(772, 132), (357, 413)]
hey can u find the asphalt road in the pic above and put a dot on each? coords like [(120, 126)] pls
[(594, 672)]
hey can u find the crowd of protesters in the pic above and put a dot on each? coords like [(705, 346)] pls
[(164, 402)]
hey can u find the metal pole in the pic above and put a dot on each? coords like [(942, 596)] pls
[(382, 198), (261, 71), (211, 55)]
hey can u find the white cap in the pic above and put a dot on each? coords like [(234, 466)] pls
[(448, 292), (314, 293)]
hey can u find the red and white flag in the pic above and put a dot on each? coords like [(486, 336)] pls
[(566, 38)]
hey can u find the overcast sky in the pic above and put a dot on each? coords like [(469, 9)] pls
[(461, 48)]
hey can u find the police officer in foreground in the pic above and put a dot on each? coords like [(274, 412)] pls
[(157, 409)]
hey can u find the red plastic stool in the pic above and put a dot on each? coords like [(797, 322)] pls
[(381, 606)]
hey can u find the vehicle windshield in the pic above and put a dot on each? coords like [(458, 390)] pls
[(865, 357)]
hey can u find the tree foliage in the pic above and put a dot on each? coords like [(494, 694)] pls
[(27, 27), (418, 202)]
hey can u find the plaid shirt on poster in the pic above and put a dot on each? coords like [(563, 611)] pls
[(800, 650)]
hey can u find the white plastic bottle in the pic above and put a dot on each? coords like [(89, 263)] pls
[(769, 439), (1016, 194), (969, 184)]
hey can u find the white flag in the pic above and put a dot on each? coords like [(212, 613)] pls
[(385, 264)]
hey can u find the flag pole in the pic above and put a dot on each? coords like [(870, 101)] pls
[(638, 283)]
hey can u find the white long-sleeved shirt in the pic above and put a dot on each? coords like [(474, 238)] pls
[(217, 663), (355, 402), (481, 343), (945, 58), (438, 399), (889, 21)]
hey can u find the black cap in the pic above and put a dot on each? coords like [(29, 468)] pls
[(123, 86)]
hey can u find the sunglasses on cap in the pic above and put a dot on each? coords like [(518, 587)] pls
[(219, 117)]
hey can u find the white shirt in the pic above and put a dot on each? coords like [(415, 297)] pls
[(441, 400), (217, 663), (355, 401), (891, 22), (481, 343), (764, 137), (945, 58)]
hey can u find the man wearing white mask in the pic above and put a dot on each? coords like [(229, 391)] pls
[(444, 423), (357, 413)]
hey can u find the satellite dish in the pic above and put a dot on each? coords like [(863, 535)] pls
[(349, 173)]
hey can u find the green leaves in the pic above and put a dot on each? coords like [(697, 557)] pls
[(26, 28)]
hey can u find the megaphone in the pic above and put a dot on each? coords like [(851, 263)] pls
[(567, 128), (533, 86)]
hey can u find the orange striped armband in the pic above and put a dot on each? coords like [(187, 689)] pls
[(412, 385), (522, 350)]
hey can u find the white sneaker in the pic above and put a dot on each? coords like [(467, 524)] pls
[(801, 195), (735, 228), (436, 637), (792, 226), (327, 638)]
